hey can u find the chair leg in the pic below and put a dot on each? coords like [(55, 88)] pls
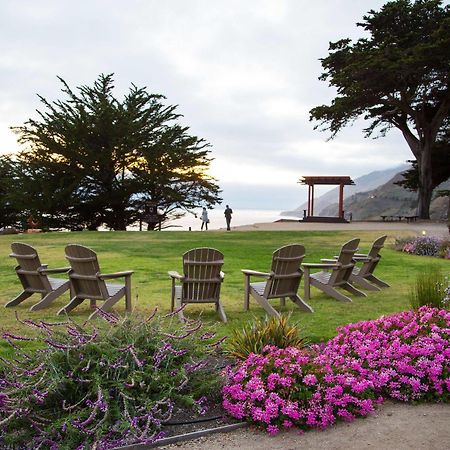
[(221, 312), (348, 287), (364, 283), (50, 297), (128, 306), (282, 301), (307, 287), (19, 299), (74, 302), (266, 305), (247, 293), (378, 282), (180, 311), (301, 303), (332, 292), (108, 304)]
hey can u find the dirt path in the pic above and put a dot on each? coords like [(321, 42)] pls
[(393, 427), (391, 228)]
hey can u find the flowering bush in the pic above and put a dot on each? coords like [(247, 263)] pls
[(424, 246), (88, 388), (405, 356)]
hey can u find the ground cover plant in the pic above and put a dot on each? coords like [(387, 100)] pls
[(91, 388), (151, 255), (405, 356)]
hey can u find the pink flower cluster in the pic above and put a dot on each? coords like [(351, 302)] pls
[(405, 356)]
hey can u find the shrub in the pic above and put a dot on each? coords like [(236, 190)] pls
[(254, 336), (424, 246), (429, 288), (101, 389), (405, 357)]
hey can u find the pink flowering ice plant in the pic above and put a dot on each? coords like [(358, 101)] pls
[(405, 357)]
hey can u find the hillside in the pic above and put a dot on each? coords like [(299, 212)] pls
[(364, 183), (388, 200)]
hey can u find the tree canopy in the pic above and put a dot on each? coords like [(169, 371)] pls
[(93, 159), (397, 77)]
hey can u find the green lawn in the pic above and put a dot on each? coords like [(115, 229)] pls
[(151, 255)]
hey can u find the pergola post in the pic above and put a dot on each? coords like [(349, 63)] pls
[(309, 199), (341, 201), (312, 200)]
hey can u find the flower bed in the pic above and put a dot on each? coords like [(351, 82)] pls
[(405, 357), (424, 246)]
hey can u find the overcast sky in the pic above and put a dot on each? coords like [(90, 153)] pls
[(244, 74)]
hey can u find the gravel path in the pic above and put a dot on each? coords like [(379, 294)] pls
[(393, 426), (391, 228)]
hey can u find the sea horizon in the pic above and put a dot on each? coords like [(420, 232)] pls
[(217, 219)]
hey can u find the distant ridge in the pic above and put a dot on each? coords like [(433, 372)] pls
[(362, 184), (389, 199)]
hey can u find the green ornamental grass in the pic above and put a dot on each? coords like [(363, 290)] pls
[(429, 288)]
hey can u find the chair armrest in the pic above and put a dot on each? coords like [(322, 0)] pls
[(175, 275), (107, 276), (362, 258), (321, 266), (361, 255), (55, 270), (255, 273)]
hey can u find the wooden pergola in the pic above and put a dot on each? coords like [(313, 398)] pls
[(311, 182)]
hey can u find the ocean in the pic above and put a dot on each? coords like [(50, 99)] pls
[(217, 219)]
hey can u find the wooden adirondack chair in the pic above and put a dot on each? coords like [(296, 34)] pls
[(363, 276), (201, 281), (34, 277), (282, 281), (336, 275), (88, 283)]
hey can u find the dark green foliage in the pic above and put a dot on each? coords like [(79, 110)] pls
[(94, 159), (429, 288), (9, 215), (254, 336), (440, 160), (105, 387), (398, 77)]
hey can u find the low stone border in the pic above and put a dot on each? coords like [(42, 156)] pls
[(184, 437)]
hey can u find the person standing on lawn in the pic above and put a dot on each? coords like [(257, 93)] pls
[(205, 219), (227, 213)]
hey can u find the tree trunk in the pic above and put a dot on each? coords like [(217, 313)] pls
[(448, 215), (425, 181)]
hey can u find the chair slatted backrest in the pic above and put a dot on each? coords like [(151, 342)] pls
[(201, 267), (286, 271), (374, 255), (83, 274), (27, 270), (343, 272)]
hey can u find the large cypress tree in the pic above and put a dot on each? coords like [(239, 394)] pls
[(94, 159), (397, 77)]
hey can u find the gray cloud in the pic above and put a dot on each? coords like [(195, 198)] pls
[(245, 75)]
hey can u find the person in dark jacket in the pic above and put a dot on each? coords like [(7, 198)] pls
[(228, 212)]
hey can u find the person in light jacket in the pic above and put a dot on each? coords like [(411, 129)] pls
[(205, 219)]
